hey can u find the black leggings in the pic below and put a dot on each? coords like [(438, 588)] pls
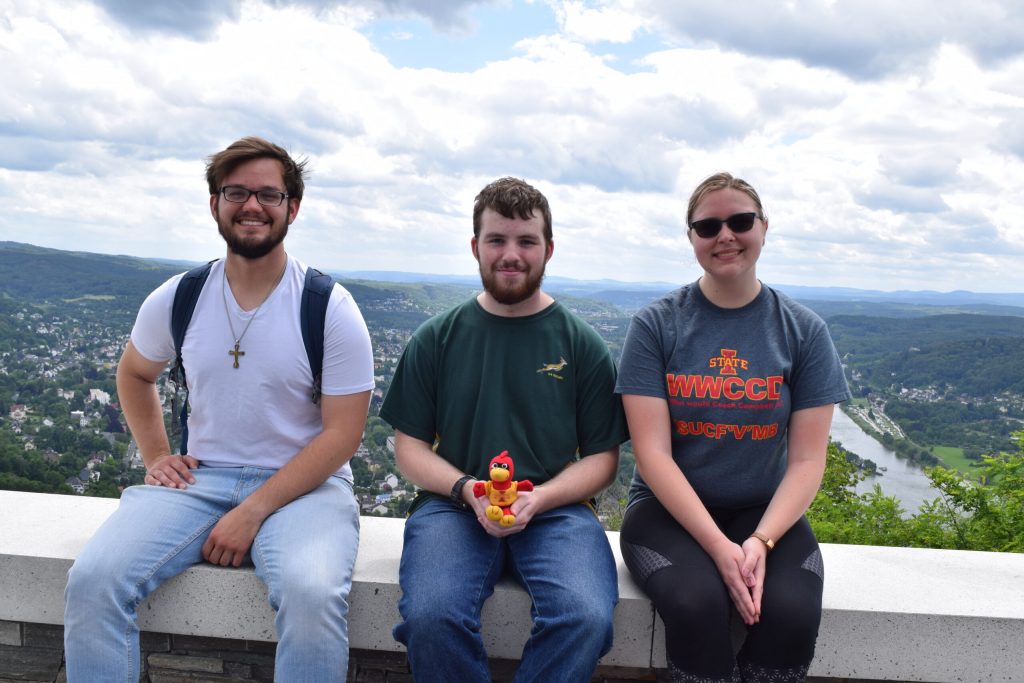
[(687, 590)]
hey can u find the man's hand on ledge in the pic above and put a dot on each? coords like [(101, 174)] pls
[(232, 537)]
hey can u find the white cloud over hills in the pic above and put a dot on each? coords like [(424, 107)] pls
[(886, 139)]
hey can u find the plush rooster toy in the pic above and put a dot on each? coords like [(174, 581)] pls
[(501, 490)]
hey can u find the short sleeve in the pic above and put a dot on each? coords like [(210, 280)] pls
[(411, 402), (818, 378), (151, 335), (642, 364), (600, 420), (348, 355)]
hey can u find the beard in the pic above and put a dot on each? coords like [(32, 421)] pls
[(507, 294), (250, 248)]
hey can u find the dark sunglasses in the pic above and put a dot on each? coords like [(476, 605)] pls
[(710, 227)]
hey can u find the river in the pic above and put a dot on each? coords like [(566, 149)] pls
[(902, 478)]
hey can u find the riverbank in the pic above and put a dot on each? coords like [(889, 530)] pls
[(899, 477), (872, 419)]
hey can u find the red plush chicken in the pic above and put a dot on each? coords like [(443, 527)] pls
[(501, 490)]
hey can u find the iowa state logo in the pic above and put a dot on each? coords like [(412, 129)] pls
[(727, 362)]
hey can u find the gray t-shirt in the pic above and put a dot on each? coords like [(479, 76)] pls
[(731, 377)]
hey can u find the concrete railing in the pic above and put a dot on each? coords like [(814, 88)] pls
[(889, 613)]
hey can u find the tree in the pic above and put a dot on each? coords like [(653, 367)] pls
[(839, 515), (965, 514), (988, 515)]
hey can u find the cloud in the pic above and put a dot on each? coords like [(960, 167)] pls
[(614, 22), (881, 176), (864, 39), (923, 168), (445, 16), (911, 179), (196, 19), (901, 199), (29, 154), (199, 19)]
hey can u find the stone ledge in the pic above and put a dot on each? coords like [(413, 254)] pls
[(44, 533), (890, 613)]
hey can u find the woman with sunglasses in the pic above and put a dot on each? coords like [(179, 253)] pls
[(729, 387)]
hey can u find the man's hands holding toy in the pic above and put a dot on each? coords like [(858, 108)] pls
[(526, 506), (499, 507)]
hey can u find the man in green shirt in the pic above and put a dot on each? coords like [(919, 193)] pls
[(510, 369)]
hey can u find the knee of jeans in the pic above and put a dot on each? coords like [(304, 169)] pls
[(436, 613), (93, 582), (588, 612), (79, 583), (313, 592)]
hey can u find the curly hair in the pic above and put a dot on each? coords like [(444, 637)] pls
[(512, 198)]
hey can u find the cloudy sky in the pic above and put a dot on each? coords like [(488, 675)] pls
[(886, 138)]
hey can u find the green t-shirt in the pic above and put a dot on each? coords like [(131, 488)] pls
[(475, 384)]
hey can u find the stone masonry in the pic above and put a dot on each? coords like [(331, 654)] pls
[(35, 653)]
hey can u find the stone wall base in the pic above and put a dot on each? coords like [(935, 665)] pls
[(35, 653)]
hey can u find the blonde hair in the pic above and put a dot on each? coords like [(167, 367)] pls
[(722, 181)]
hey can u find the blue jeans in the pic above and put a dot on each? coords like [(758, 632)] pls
[(304, 552), (449, 568)]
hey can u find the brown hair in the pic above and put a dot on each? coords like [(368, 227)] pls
[(220, 165), (512, 198), (722, 181)]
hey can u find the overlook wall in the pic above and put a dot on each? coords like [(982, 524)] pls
[(889, 613)]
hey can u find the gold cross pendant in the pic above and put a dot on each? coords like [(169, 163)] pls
[(236, 353)]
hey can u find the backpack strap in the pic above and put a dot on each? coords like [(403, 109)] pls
[(316, 293), (185, 298)]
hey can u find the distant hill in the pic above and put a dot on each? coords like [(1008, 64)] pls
[(39, 274), (891, 309), (402, 276), (976, 367), (31, 272), (633, 295), (427, 297), (107, 274), (626, 295), (872, 337), (957, 298), (979, 355)]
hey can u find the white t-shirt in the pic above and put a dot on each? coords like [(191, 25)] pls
[(260, 413)]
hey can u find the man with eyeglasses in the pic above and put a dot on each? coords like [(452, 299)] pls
[(267, 475)]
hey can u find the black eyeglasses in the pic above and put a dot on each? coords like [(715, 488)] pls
[(710, 227), (236, 194)]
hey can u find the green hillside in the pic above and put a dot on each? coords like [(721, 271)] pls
[(975, 367), (35, 273), (870, 338), (890, 309)]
